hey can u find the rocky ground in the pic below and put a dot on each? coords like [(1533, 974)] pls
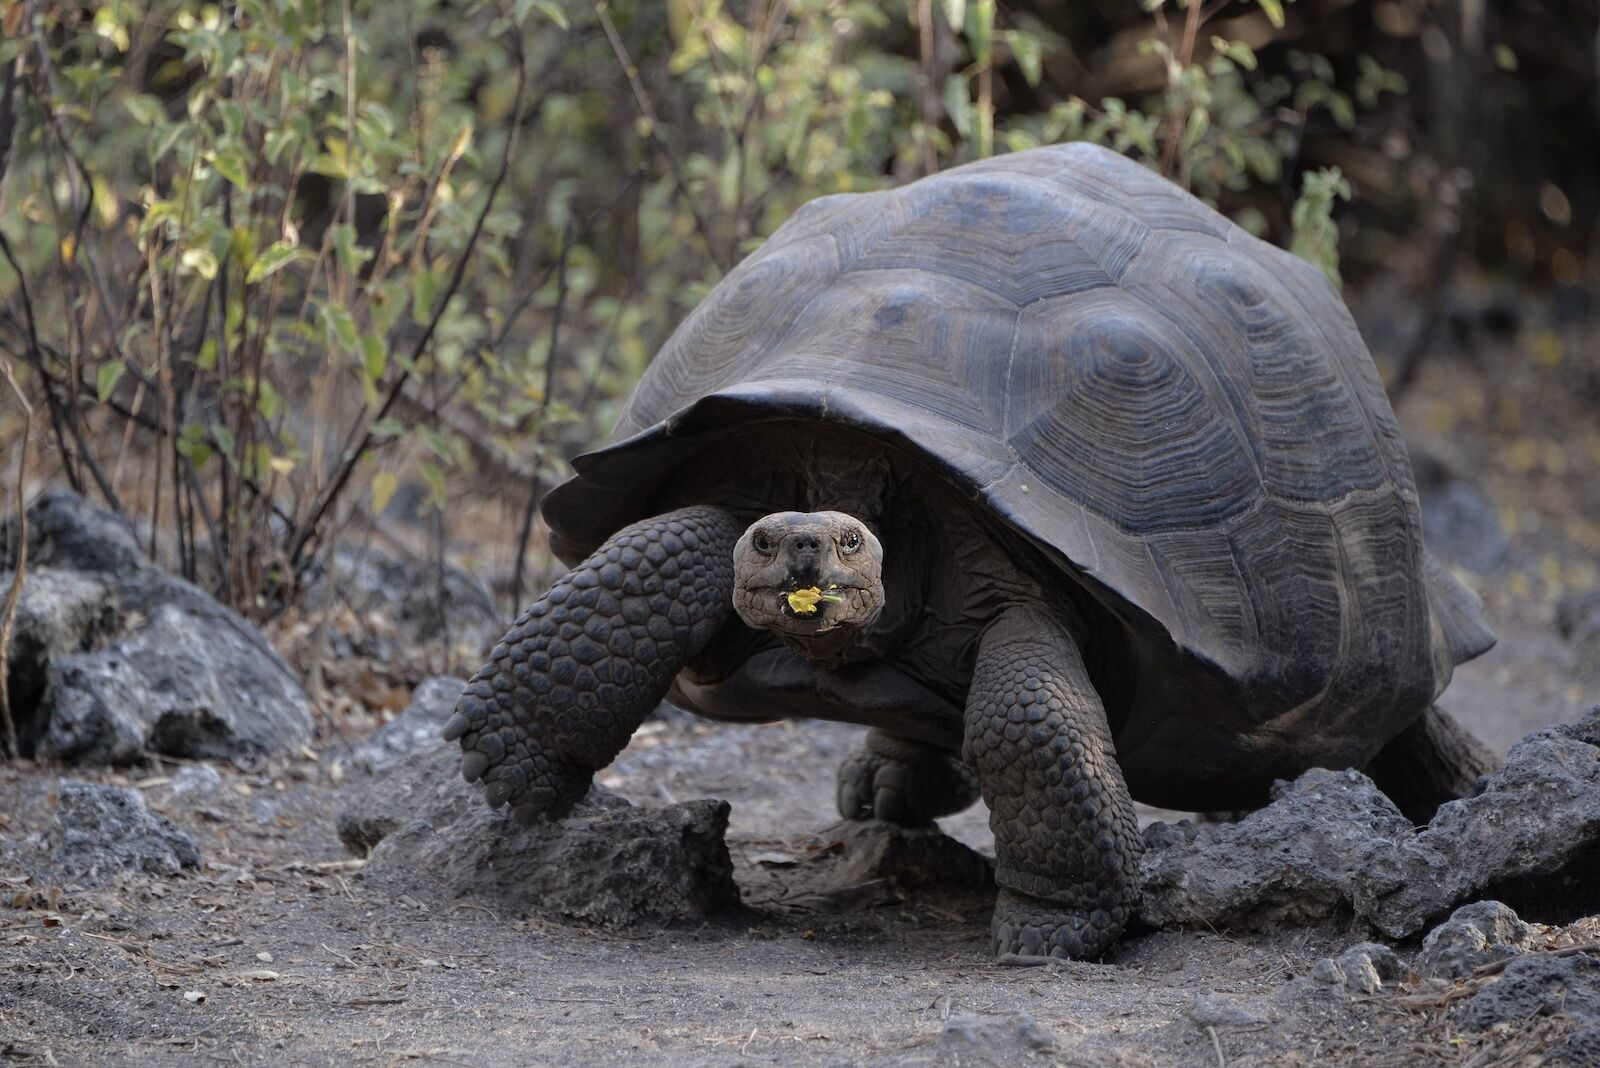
[(325, 895)]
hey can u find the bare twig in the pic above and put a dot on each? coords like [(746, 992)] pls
[(930, 100), (535, 491), (349, 122), (653, 131), (8, 610), (135, 416), (36, 355), (1179, 119), (353, 453), (8, 117)]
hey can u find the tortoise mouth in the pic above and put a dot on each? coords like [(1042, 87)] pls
[(806, 608)]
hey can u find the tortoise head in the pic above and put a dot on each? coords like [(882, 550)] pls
[(815, 579)]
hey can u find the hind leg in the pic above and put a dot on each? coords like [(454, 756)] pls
[(1430, 762), (904, 782)]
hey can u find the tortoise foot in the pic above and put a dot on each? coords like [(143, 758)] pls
[(1033, 927), (903, 782)]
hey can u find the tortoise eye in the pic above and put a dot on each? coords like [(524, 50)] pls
[(851, 542), (762, 543)]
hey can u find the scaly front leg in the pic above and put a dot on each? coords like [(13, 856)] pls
[(1067, 844), (577, 673)]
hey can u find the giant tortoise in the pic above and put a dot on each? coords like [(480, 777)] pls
[(1068, 488)]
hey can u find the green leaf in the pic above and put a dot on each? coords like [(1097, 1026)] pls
[(1316, 235), (384, 483), (231, 166), (106, 381), (955, 13), (548, 8), (1343, 112), (194, 450), (436, 442), (232, 119), (980, 30), (389, 427), (958, 105), (351, 255), (169, 140), (200, 261), (1238, 51), (341, 327), (275, 259), (267, 400), (374, 356), (1028, 51), (1273, 9), (424, 289), (437, 486), (145, 109)]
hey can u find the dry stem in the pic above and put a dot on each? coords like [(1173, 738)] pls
[(8, 611)]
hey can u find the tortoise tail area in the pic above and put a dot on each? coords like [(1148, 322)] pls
[(1460, 631)]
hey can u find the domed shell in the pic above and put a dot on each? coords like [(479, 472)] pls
[(1184, 417)]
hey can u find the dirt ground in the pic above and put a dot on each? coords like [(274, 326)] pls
[(275, 951)]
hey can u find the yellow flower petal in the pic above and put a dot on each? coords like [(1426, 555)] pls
[(804, 602)]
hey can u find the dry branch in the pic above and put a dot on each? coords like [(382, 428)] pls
[(8, 609), (353, 453)]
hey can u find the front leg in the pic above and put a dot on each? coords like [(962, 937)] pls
[(1067, 844), (574, 677)]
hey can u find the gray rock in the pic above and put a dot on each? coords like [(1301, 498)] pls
[(185, 683), (196, 783), (1539, 984), (419, 603), (607, 863), (1581, 1047), (1361, 969), (1315, 853), (412, 731), (93, 714), (1000, 1039), (1332, 845), (99, 831), (1212, 1010), (908, 859), (1578, 618), (1474, 935), (67, 532), (59, 613), (1159, 835), (1462, 527), (126, 659), (1460, 524), (1530, 838)]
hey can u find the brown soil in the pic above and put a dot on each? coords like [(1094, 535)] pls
[(276, 952)]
